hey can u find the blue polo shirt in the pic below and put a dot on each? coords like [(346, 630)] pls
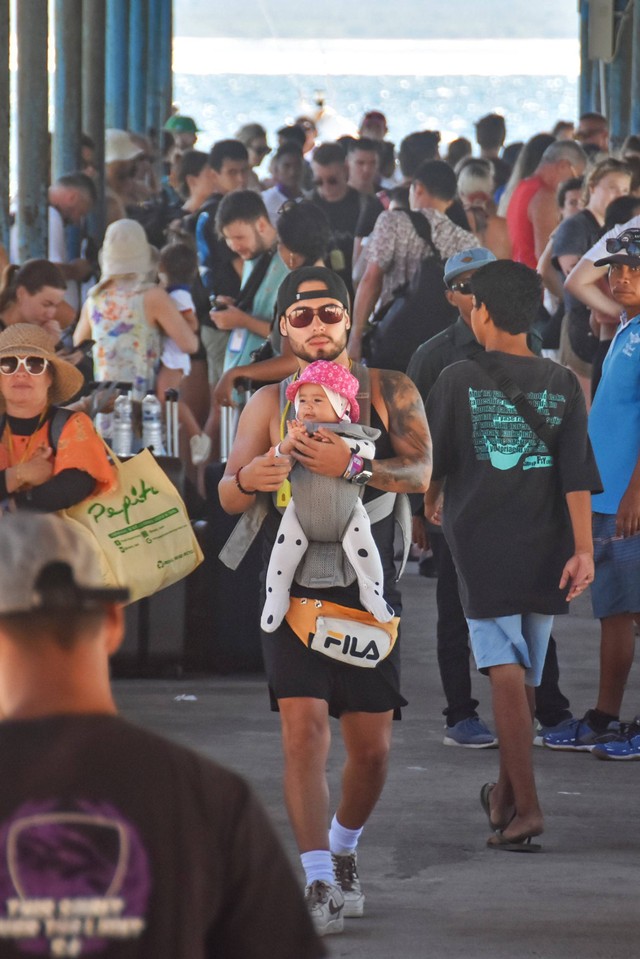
[(614, 421)]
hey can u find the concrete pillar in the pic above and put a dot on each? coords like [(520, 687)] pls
[(153, 70), (595, 85), (117, 65), (138, 47), (619, 81), (5, 123), (585, 102), (634, 126), (33, 135), (166, 58), (154, 118), (93, 95), (67, 87), (159, 73)]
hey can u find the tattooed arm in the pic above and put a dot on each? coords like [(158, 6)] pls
[(402, 411)]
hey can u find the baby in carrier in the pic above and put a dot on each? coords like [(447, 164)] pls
[(324, 395)]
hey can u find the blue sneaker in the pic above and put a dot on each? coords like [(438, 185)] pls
[(542, 731), (471, 733), (579, 736), (625, 746)]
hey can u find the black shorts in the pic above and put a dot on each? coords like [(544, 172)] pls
[(295, 671)]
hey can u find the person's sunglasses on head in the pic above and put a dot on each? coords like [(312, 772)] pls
[(627, 242)]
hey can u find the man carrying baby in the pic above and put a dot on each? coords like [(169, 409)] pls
[(306, 684)]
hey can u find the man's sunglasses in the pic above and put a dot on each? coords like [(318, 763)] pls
[(328, 181), (261, 151), (626, 244), (463, 288), (291, 204), (303, 315), (35, 365)]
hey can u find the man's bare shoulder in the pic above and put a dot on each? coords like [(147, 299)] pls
[(543, 199), (394, 387), (399, 396), (264, 404)]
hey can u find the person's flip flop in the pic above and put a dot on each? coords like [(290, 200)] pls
[(515, 844), (485, 802), (485, 793)]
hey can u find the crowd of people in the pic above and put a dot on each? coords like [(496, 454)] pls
[(447, 342)]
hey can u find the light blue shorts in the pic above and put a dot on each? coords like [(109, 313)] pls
[(522, 639)]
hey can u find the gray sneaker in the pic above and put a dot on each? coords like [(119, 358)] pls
[(346, 870), (471, 733), (325, 903)]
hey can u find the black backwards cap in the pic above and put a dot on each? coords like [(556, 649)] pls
[(333, 287)]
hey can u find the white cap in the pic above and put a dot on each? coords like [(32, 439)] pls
[(118, 145), (47, 565)]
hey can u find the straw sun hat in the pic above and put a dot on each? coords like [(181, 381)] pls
[(25, 339)]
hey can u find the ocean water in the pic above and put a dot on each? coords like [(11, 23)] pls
[(417, 84)]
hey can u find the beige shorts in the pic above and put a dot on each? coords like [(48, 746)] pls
[(215, 343), (567, 356)]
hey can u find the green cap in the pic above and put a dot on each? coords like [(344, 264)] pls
[(180, 124)]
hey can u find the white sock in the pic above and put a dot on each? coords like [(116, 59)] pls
[(317, 864), (341, 839)]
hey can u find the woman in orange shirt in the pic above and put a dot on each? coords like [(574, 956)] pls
[(45, 464)]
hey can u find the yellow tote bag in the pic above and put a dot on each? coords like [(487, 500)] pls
[(140, 529)]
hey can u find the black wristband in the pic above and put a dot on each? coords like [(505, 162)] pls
[(247, 492)]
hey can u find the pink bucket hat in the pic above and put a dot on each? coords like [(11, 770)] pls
[(333, 377)]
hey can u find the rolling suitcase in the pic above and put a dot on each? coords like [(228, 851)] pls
[(154, 643), (224, 605)]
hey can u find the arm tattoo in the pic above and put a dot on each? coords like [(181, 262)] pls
[(407, 423)]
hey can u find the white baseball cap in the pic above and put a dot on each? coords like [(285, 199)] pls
[(47, 565)]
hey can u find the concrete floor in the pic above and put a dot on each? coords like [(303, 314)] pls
[(433, 889)]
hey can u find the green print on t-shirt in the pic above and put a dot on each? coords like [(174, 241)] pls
[(500, 434)]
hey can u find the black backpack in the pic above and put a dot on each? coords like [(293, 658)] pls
[(419, 309), (154, 216)]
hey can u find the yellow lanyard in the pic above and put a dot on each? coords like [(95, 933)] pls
[(283, 496)]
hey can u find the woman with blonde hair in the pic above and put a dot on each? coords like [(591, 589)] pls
[(607, 180), (475, 190), (126, 313)]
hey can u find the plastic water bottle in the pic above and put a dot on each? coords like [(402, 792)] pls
[(104, 425), (152, 424), (123, 425)]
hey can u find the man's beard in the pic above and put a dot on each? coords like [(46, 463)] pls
[(329, 352)]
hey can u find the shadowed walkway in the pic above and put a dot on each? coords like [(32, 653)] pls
[(433, 889)]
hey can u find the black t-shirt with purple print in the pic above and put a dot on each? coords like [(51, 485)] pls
[(116, 843)]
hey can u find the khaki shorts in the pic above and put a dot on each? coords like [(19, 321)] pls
[(215, 343), (567, 356)]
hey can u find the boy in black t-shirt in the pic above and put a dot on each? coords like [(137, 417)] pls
[(516, 515)]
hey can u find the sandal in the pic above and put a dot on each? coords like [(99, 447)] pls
[(515, 844)]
